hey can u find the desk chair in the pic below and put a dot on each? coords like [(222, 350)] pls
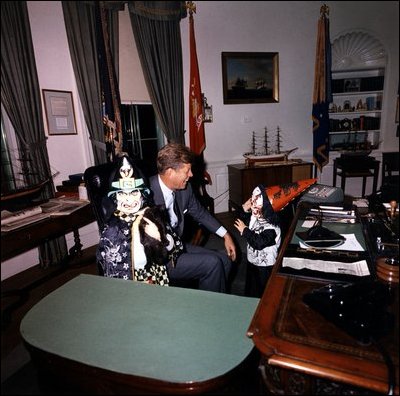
[(357, 166), (390, 176), (97, 180)]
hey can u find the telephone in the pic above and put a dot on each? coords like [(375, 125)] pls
[(319, 193), (357, 308)]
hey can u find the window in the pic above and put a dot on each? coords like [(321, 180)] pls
[(142, 136)]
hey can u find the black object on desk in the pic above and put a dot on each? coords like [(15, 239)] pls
[(357, 308), (356, 166)]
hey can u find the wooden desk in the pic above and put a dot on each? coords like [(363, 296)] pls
[(303, 351), (243, 179), (28, 237), (111, 336)]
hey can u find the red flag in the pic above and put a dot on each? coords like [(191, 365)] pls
[(196, 121)]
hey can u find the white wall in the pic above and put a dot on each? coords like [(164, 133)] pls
[(288, 28)]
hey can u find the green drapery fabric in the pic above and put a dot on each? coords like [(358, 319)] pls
[(156, 29), (20, 96), (80, 24)]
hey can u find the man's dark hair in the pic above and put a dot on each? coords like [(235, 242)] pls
[(173, 155)]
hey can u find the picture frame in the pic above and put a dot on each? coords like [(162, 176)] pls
[(250, 77), (60, 113), (352, 85)]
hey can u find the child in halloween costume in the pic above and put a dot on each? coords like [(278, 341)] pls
[(259, 225), (136, 241), (263, 236)]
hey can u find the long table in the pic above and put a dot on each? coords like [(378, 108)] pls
[(109, 335), (30, 236)]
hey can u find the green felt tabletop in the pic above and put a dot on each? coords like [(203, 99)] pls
[(165, 333)]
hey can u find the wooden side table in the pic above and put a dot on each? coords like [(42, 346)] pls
[(356, 167), (243, 179)]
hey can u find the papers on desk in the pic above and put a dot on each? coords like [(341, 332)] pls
[(62, 206), (11, 221), (358, 268), (8, 217), (54, 207), (332, 214)]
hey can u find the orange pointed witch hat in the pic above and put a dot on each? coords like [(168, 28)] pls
[(282, 194)]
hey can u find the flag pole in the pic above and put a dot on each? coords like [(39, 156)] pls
[(196, 117)]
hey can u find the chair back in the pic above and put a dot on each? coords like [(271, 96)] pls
[(97, 179), (390, 176), (390, 168)]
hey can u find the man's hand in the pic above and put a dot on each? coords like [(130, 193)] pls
[(230, 247)]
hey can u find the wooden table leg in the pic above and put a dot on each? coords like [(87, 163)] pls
[(76, 250), (334, 173)]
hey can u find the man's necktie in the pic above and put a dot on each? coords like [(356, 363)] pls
[(173, 210)]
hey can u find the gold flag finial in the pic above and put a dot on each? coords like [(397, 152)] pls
[(191, 7), (324, 10)]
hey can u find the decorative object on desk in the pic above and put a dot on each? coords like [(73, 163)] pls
[(280, 195), (319, 237), (393, 206), (250, 77), (387, 269), (262, 152), (26, 185)]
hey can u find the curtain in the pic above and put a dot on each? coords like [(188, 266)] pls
[(80, 23), (86, 42), (20, 96), (156, 29)]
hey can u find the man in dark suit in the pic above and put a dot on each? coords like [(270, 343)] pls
[(173, 192)]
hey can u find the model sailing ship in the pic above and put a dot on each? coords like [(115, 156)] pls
[(18, 185), (265, 154)]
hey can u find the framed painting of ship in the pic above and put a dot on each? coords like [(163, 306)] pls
[(250, 77)]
